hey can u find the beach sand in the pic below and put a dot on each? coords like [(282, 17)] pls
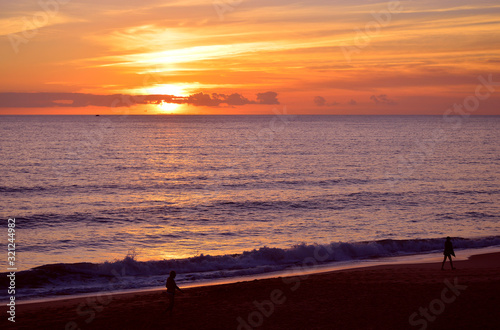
[(379, 297)]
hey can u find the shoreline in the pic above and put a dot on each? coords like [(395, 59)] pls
[(318, 269), (370, 297)]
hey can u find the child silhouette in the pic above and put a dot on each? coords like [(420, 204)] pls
[(448, 252), (171, 287)]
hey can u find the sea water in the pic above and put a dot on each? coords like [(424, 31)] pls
[(224, 196)]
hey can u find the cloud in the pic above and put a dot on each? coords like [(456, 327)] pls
[(352, 102), (75, 100), (233, 99), (321, 102), (203, 99), (382, 99), (237, 99), (268, 98)]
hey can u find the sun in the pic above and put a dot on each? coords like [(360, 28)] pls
[(180, 90), (168, 107), (167, 89)]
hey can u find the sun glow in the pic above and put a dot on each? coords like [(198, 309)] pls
[(167, 89), (168, 107)]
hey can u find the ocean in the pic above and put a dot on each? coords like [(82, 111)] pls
[(126, 199)]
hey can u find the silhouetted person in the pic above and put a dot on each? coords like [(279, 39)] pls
[(171, 287), (448, 252)]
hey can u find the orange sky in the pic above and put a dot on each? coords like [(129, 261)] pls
[(319, 57)]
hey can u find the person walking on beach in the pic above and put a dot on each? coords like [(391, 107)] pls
[(448, 252), (171, 287)]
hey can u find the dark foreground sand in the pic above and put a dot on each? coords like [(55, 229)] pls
[(380, 297)]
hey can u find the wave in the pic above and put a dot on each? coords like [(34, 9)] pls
[(129, 273)]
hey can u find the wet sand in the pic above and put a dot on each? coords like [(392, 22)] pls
[(405, 296)]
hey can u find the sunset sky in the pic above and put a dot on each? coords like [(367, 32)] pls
[(249, 57)]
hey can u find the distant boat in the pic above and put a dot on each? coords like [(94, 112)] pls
[(97, 115)]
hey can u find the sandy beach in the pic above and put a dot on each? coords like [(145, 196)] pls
[(408, 296)]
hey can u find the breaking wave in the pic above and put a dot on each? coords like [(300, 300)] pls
[(129, 273)]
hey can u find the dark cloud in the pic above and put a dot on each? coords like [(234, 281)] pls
[(237, 99), (268, 98), (46, 100), (233, 99), (382, 99), (203, 99), (321, 102), (352, 102), (76, 100)]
